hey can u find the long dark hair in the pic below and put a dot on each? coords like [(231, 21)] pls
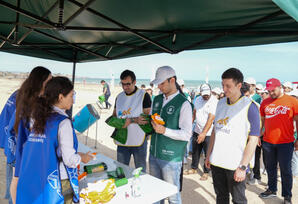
[(28, 93), (44, 106)]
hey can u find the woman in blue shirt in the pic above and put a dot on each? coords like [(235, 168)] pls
[(48, 170)]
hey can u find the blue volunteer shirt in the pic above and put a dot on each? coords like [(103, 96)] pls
[(5, 118)]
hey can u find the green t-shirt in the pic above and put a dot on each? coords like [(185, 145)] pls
[(257, 98)]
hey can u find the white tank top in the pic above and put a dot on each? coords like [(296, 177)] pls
[(231, 128), (129, 106)]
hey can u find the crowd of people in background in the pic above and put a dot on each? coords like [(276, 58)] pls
[(237, 128)]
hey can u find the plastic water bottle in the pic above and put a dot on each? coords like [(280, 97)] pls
[(136, 185)]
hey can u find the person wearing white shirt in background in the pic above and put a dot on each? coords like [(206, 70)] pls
[(204, 114), (169, 141)]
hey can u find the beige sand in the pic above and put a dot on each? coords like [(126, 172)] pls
[(194, 190)]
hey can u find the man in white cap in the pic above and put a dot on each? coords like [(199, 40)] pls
[(169, 141), (287, 86), (204, 114), (252, 90)]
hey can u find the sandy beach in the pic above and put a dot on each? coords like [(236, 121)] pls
[(194, 190)]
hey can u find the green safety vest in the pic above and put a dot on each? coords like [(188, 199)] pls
[(163, 147)]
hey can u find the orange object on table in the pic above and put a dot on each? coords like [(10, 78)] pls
[(82, 176), (157, 119)]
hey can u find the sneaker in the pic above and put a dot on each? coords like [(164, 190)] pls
[(268, 194), (287, 200)]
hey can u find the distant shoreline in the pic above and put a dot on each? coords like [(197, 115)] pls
[(191, 84)]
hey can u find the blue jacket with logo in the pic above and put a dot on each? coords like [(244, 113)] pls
[(5, 117), (38, 165)]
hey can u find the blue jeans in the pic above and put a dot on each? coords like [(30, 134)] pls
[(9, 171), (282, 154), (169, 172), (139, 155), (187, 150)]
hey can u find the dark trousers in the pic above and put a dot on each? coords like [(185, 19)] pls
[(256, 169), (282, 154), (197, 150), (224, 184), (107, 96)]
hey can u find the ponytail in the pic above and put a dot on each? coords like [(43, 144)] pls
[(40, 114), (44, 105)]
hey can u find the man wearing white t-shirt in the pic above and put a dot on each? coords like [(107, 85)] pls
[(204, 114)]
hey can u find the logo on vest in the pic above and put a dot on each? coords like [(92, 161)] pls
[(11, 143), (123, 114), (53, 180), (223, 121), (168, 152), (170, 110), (222, 125), (6, 130), (274, 111), (36, 138)]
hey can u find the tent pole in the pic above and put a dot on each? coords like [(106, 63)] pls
[(69, 112), (74, 71)]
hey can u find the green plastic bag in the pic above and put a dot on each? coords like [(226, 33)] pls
[(115, 122), (119, 134), (147, 128), (101, 98)]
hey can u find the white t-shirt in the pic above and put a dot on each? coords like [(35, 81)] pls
[(203, 109)]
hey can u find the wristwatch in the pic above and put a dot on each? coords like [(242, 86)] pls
[(242, 167)]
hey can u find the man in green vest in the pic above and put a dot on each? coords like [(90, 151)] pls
[(168, 142)]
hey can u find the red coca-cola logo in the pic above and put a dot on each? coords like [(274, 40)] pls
[(274, 111)]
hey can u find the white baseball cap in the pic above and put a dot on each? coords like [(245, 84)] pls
[(263, 90), (259, 86), (205, 89), (216, 90), (288, 84), (163, 73), (250, 80), (293, 93), (180, 82)]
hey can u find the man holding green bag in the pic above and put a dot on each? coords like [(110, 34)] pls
[(131, 121)]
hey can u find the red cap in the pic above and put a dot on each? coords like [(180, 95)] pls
[(272, 84)]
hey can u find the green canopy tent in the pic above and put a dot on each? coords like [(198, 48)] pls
[(94, 30)]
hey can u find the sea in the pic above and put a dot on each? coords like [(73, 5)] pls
[(190, 84)]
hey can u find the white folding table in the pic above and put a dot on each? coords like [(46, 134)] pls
[(153, 189)]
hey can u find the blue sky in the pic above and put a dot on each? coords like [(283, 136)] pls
[(261, 62)]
